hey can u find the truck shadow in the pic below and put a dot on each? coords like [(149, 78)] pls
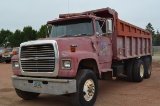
[(108, 87), (47, 100)]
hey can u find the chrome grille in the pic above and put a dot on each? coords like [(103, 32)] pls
[(38, 58)]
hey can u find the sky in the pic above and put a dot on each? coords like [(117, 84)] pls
[(15, 14)]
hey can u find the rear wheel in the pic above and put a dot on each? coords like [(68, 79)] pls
[(87, 88), (26, 95), (147, 67), (138, 70)]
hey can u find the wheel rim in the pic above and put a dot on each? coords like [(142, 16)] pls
[(88, 90), (141, 70), (149, 69)]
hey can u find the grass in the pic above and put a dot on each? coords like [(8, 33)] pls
[(156, 53)]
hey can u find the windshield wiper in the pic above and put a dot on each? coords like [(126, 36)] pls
[(64, 36)]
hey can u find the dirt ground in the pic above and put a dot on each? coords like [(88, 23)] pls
[(118, 92), (156, 57)]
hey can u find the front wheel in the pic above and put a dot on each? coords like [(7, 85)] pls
[(26, 95), (87, 88)]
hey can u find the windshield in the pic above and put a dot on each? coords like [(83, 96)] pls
[(75, 27)]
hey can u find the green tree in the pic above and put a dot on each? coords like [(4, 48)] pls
[(157, 32), (16, 39), (4, 37), (157, 39), (29, 33), (150, 28), (42, 32)]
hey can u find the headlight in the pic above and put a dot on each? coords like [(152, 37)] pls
[(15, 64), (66, 64)]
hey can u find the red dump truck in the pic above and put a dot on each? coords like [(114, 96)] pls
[(80, 49)]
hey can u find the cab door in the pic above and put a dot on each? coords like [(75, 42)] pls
[(104, 45)]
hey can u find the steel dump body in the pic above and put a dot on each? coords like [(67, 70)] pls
[(130, 41)]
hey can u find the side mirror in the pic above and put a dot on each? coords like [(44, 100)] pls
[(109, 28)]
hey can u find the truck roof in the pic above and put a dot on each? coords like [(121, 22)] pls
[(71, 17), (104, 12)]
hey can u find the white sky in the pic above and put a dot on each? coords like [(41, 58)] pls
[(15, 14)]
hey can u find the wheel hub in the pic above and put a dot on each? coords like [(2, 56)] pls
[(88, 89), (149, 69), (141, 70)]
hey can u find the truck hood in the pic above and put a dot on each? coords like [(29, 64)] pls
[(83, 43)]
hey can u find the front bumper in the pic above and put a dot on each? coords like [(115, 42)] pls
[(47, 85)]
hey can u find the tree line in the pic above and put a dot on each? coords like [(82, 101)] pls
[(155, 35), (14, 39)]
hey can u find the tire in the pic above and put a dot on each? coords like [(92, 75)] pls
[(1, 59), (84, 97), (130, 70), (147, 67), (8, 61), (26, 95), (138, 71)]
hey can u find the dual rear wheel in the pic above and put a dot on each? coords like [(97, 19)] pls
[(147, 67), (139, 69)]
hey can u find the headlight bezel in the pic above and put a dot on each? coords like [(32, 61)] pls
[(64, 66), (14, 63)]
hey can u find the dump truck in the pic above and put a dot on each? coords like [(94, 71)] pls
[(80, 49)]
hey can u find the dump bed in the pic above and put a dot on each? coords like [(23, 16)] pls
[(130, 41)]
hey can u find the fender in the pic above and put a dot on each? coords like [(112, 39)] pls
[(76, 58)]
